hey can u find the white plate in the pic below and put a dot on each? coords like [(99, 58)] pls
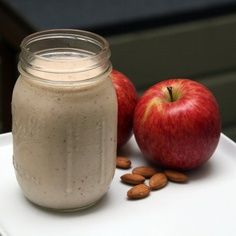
[(205, 206)]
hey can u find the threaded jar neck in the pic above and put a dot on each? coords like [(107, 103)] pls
[(49, 55)]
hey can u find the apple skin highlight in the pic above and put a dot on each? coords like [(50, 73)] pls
[(180, 134)]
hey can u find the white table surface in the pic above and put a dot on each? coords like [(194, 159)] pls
[(205, 206)]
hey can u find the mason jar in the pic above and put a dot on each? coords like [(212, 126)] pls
[(64, 110)]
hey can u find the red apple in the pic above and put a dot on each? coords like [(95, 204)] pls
[(127, 99), (177, 124)]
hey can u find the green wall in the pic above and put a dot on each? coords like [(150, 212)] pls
[(202, 50)]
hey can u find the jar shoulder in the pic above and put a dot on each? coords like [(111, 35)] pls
[(28, 95)]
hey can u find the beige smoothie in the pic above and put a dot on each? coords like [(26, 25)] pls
[(64, 134)]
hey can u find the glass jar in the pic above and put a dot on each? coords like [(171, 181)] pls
[(64, 112)]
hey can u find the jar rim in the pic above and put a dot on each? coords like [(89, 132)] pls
[(30, 54), (62, 33)]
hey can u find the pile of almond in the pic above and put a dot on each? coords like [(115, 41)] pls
[(146, 179)]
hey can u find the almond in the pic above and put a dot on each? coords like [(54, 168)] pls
[(139, 191), (132, 179), (176, 176), (145, 171), (123, 163), (157, 181)]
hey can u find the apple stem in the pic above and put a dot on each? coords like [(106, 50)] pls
[(169, 88)]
